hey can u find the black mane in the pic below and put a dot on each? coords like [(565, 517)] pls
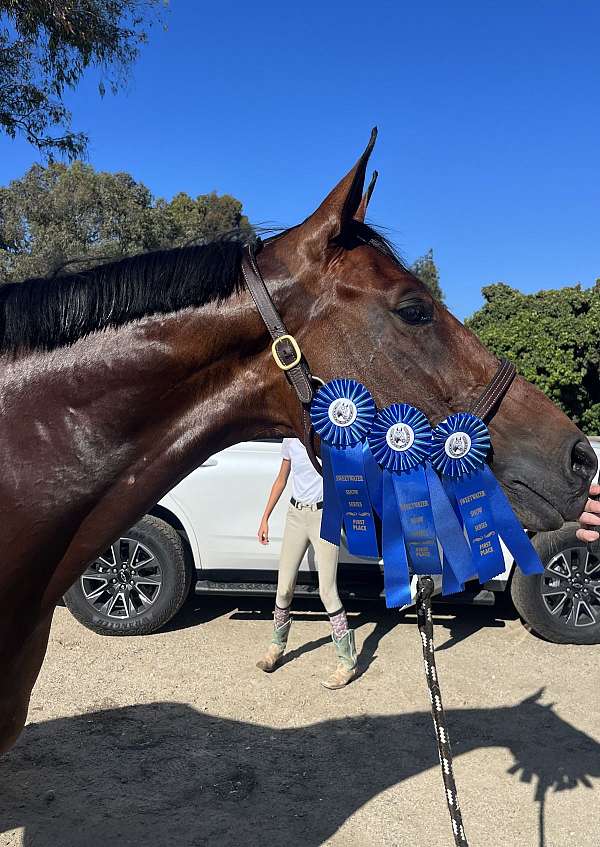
[(46, 313)]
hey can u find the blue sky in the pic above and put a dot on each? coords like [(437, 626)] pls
[(489, 120)]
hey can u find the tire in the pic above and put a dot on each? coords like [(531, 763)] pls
[(562, 604), (150, 592)]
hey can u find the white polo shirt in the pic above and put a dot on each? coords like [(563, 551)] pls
[(307, 484)]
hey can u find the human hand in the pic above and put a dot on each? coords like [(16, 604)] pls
[(263, 531), (590, 518)]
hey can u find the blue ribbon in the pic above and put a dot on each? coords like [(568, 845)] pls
[(342, 412), (460, 445), (413, 501), (458, 564), (396, 579)]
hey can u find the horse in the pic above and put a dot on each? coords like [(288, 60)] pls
[(118, 381)]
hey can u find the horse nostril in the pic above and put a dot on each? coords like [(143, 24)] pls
[(583, 460)]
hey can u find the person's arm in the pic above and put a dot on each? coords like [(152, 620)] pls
[(276, 492), (590, 518)]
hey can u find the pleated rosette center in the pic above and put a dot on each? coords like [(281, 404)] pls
[(342, 413), (400, 438), (460, 445)]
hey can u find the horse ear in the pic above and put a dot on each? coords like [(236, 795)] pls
[(340, 205), (362, 209)]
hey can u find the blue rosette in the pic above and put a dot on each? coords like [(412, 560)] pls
[(413, 503), (460, 446), (342, 412)]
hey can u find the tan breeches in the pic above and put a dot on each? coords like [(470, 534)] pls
[(303, 527)]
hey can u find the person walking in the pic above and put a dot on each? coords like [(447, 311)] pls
[(303, 528)]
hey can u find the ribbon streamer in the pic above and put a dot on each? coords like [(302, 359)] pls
[(460, 445), (413, 503), (342, 412)]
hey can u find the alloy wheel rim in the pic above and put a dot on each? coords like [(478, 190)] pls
[(571, 587), (124, 581)]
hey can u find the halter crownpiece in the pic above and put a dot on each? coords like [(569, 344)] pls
[(284, 349)]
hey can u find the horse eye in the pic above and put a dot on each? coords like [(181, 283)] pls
[(415, 313)]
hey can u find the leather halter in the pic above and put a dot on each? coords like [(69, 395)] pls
[(489, 401), (288, 357), (285, 349)]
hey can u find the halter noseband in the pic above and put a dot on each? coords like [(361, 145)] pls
[(288, 357)]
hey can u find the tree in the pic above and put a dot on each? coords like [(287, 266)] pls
[(62, 212), (426, 269), (46, 46), (552, 337), (186, 219)]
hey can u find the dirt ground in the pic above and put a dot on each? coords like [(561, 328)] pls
[(176, 739)]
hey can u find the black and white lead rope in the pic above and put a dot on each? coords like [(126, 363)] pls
[(425, 624)]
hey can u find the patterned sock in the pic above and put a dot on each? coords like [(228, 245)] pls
[(339, 624), (281, 616)]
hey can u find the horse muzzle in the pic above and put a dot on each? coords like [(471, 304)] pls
[(548, 489)]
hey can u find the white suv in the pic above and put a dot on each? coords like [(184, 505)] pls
[(205, 532)]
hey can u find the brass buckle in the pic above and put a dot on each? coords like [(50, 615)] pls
[(296, 349)]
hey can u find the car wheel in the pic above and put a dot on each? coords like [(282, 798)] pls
[(135, 586), (563, 603)]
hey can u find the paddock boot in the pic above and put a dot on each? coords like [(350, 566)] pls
[(276, 648), (345, 647)]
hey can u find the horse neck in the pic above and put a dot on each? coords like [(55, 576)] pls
[(135, 375), (123, 416)]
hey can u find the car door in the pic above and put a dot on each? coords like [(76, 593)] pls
[(224, 500)]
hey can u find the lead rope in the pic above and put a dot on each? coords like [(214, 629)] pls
[(425, 624)]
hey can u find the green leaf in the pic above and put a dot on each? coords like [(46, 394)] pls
[(552, 337), (46, 47)]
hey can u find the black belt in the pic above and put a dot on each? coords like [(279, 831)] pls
[(298, 505)]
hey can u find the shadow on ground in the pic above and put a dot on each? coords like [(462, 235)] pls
[(165, 774), (456, 621), (453, 623)]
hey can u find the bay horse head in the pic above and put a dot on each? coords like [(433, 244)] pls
[(358, 312)]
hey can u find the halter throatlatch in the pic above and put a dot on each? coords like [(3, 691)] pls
[(289, 359)]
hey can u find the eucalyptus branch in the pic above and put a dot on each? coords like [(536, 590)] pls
[(48, 48)]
